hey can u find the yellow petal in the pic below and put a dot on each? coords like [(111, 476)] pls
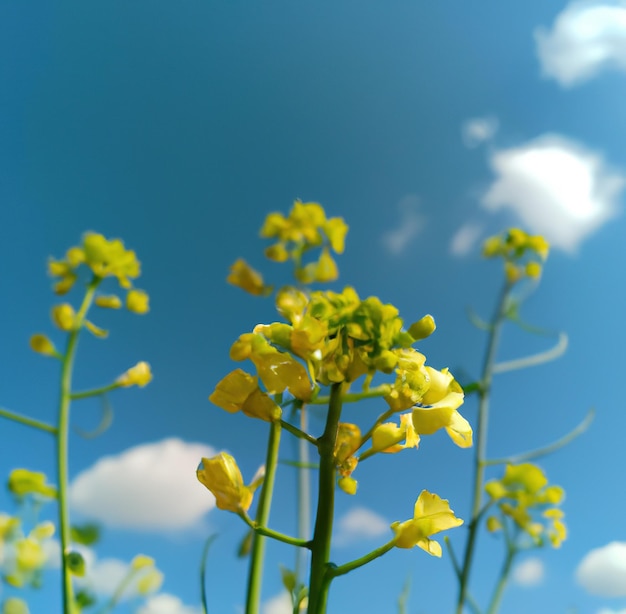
[(137, 301), (232, 391)]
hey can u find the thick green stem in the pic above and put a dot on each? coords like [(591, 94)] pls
[(481, 442), (63, 448), (42, 426), (319, 581), (255, 574)]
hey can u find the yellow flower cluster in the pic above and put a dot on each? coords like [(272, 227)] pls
[(524, 496), (105, 258), (523, 254)]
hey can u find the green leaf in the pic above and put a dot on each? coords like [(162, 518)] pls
[(76, 563), (245, 545), (289, 579), (85, 599), (86, 534)]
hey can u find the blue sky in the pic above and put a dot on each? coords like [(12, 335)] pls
[(428, 127)]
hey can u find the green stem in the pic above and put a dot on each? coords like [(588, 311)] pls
[(354, 397), (86, 394), (42, 426), (281, 537), (494, 606), (333, 572), (320, 552), (62, 444), (481, 441), (255, 573), (304, 499), (205, 553), (300, 433), (553, 447), (119, 592)]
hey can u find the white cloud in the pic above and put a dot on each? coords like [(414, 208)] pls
[(166, 604), (465, 239), (529, 573), (279, 604), (603, 570), (149, 487), (478, 130), (556, 187), (360, 523), (608, 611), (410, 224), (586, 38)]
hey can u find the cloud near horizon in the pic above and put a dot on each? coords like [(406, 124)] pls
[(603, 570), (556, 187), (150, 487), (585, 39)]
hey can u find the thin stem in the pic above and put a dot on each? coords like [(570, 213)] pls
[(535, 359), (320, 553), (119, 592), (255, 574), (86, 394), (304, 499), (62, 444), (281, 537), (42, 426), (502, 580), (481, 441), (553, 447), (299, 433), (354, 397), (333, 572), (205, 553)]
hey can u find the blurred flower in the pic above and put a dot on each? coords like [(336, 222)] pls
[(245, 277), (137, 301), (139, 375)]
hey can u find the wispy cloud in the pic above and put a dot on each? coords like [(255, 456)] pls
[(150, 487), (529, 572), (603, 570), (556, 187), (586, 38), (465, 239), (477, 130), (410, 224), (360, 523)]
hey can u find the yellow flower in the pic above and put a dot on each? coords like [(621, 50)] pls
[(387, 437), (423, 328), (63, 316), (141, 560), (137, 301), (42, 345), (108, 302), (109, 258), (347, 442), (277, 370), (149, 582), (222, 477), (348, 484), (444, 414), (23, 482), (139, 375), (245, 277), (15, 605), (431, 515), (30, 555)]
